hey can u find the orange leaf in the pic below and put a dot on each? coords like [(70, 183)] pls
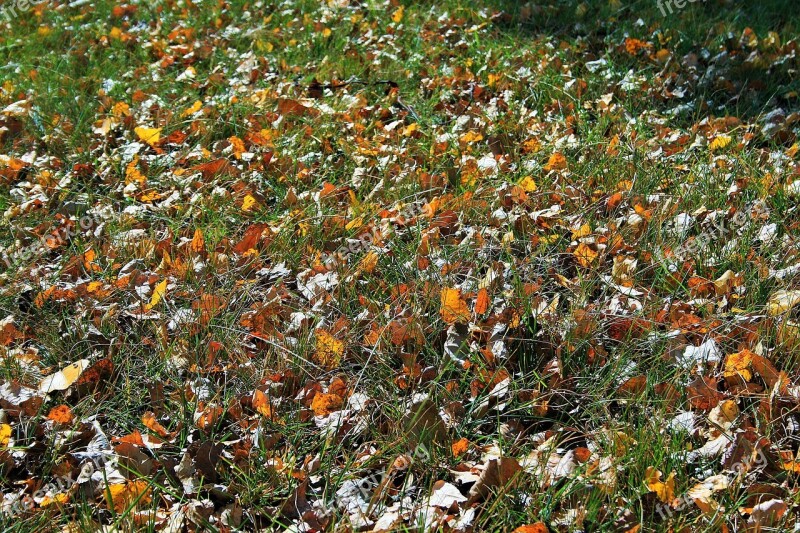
[(557, 161), (538, 527), (120, 496), (150, 422), (482, 303), (737, 364), (585, 255), (208, 416), (460, 447), (324, 404), (198, 244), (212, 168), (664, 490), (261, 404), (60, 414), (453, 307)]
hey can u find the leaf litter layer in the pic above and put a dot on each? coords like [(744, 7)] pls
[(386, 266)]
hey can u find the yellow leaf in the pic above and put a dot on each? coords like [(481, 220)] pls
[(158, 293), (329, 350), (355, 223), (453, 306), (737, 364), (237, 146), (249, 203), (583, 231), (720, 142), (195, 107), (531, 145), (65, 377), (57, 500), (471, 137), (411, 128), (5, 434), (527, 184), (120, 496), (397, 16), (115, 33), (585, 255), (664, 490), (132, 173), (150, 196), (782, 301), (369, 262), (149, 135), (121, 109)]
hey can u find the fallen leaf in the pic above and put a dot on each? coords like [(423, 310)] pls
[(262, 404), (720, 142), (665, 490), (329, 350), (482, 302), (149, 135), (557, 161), (454, 307), (150, 422), (325, 404), (585, 255), (121, 496), (460, 447), (445, 495), (64, 378), (60, 414), (782, 301), (498, 474), (538, 527), (527, 184), (738, 364)]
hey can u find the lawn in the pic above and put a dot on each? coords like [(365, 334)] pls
[(399, 266)]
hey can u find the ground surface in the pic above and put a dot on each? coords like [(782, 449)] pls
[(399, 266)]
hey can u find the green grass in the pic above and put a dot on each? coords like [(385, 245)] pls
[(398, 94)]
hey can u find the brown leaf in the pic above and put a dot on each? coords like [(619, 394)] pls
[(703, 393), (424, 424), (498, 475)]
